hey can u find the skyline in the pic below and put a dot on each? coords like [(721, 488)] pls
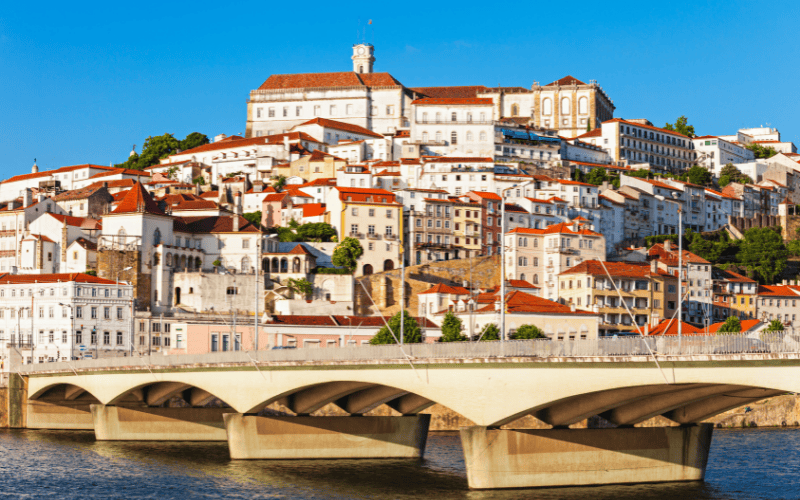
[(76, 90)]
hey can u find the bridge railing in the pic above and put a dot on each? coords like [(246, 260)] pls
[(690, 345)]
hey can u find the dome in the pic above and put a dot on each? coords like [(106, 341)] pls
[(35, 168)]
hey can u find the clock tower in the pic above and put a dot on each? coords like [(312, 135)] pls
[(363, 58)]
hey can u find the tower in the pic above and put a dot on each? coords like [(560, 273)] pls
[(363, 57)]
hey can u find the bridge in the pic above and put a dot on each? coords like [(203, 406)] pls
[(625, 381)]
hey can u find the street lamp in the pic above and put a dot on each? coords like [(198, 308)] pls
[(503, 257)]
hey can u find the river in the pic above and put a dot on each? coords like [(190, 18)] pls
[(743, 464)]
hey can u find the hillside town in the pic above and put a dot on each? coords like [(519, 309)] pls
[(595, 225)]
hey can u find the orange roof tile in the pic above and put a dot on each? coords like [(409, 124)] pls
[(137, 200), (624, 269), (336, 125)]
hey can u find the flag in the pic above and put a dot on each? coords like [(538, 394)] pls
[(370, 21)]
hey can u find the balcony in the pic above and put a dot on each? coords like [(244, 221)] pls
[(391, 237), (568, 251), (454, 122), (356, 235), (373, 236), (429, 142)]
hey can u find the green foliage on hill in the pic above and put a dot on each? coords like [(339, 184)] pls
[(159, 147)]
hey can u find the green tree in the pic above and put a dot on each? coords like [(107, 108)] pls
[(775, 326), (577, 175), (286, 235), (346, 253), (279, 182), (700, 176), (731, 325), (193, 140), (199, 180), (451, 329), (761, 151), (681, 126), (597, 176), (411, 331), (642, 173), (489, 332), (172, 172), (730, 173), (528, 332), (301, 286), (762, 251), (253, 217), (317, 231)]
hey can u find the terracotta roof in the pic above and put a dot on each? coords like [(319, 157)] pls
[(521, 302), (21, 279), (48, 173), (347, 127), (86, 244), (341, 79), (456, 159), (120, 171), (521, 284), (276, 197), (455, 101), (73, 221), (118, 183), (567, 228), (214, 224), (731, 276), (778, 291), (624, 269), (598, 132), (327, 320), (313, 209), (670, 327), (77, 194), (240, 142), (138, 200), (650, 127), (296, 193), (451, 92), (299, 249), (567, 80), (486, 195), (670, 258), (448, 289), (40, 237), (747, 325)]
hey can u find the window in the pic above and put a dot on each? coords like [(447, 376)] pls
[(119, 313), (333, 110), (119, 338), (78, 337), (483, 137), (106, 313), (354, 211), (272, 112), (390, 110), (106, 338), (232, 290), (454, 137), (79, 312)]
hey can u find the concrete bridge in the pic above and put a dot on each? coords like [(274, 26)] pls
[(490, 383)]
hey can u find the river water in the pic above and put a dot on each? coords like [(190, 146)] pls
[(752, 463)]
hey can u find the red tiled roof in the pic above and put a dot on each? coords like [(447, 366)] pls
[(72, 221), (214, 224), (438, 101), (451, 92), (650, 127), (240, 142), (137, 200), (448, 289), (336, 125), (21, 279), (120, 171), (598, 132), (313, 209), (348, 321), (670, 258), (670, 327), (456, 159), (486, 195), (566, 228), (747, 325), (276, 197), (299, 249), (118, 183), (341, 79), (521, 284), (41, 237), (86, 244), (624, 269), (567, 80), (777, 291), (732, 276), (521, 302), (61, 170), (77, 194)]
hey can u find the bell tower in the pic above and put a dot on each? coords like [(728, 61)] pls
[(363, 57)]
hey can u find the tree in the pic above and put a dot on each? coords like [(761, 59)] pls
[(451, 329), (597, 176), (317, 231), (730, 173), (641, 173), (253, 217), (172, 172), (286, 235), (700, 176), (280, 181), (577, 175), (761, 151), (346, 253), (528, 332), (193, 140), (301, 286), (731, 325), (199, 180), (775, 325), (762, 251), (490, 332), (681, 126), (411, 331)]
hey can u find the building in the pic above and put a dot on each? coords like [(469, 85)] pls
[(628, 295), (490, 220), (734, 295), (443, 126), (715, 152), (696, 276), (778, 302), (539, 255), (638, 141), (569, 106), (61, 317)]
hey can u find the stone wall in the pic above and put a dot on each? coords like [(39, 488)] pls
[(110, 264), (482, 272)]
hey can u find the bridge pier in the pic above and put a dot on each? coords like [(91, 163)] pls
[(256, 437), (67, 415), (500, 458), (117, 423)]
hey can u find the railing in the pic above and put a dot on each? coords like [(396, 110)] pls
[(373, 236), (631, 345), (455, 122)]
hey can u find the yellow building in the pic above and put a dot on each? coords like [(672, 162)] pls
[(734, 295), (317, 165), (466, 229), (618, 290)]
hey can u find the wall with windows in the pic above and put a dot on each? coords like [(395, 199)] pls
[(450, 128)]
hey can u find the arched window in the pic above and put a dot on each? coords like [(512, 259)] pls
[(565, 106), (535, 279), (522, 276), (483, 136), (515, 110), (454, 137), (438, 137), (245, 264), (547, 107), (169, 260), (438, 117), (361, 69), (469, 136), (583, 105), (121, 236), (157, 237)]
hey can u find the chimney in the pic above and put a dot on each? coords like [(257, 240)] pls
[(235, 218), (28, 198), (668, 245), (105, 184), (572, 307), (39, 196), (654, 266), (238, 203), (219, 137), (197, 189)]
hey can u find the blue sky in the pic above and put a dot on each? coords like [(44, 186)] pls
[(82, 82)]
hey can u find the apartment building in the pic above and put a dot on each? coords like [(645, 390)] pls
[(734, 295), (697, 286), (467, 229), (629, 296), (638, 141), (490, 220), (539, 255), (781, 302), (443, 126)]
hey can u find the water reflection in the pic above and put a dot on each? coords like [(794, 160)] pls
[(743, 464)]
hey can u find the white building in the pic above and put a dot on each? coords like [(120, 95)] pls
[(445, 126), (715, 152), (64, 178), (638, 141), (59, 317)]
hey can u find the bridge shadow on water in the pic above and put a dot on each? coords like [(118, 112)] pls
[(204, 470)]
